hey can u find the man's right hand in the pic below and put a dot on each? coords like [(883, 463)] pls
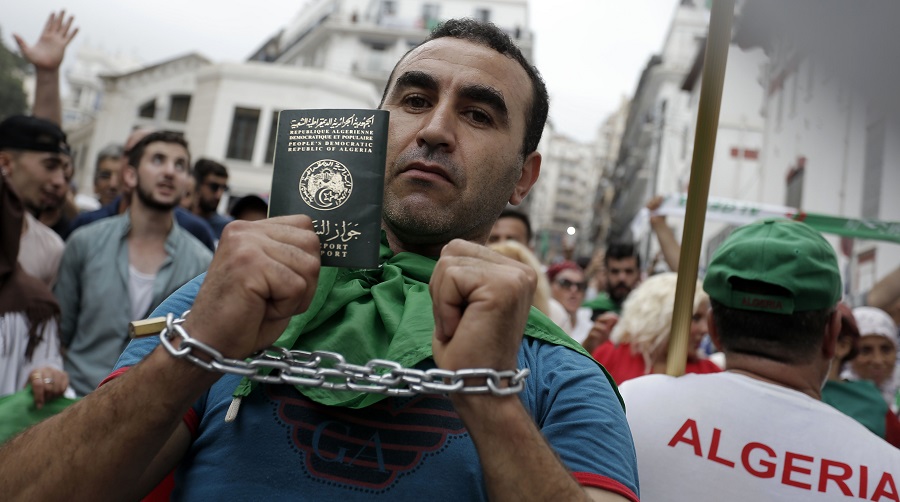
[(263, 273), (600, 331), (47, 53), (653, 204)]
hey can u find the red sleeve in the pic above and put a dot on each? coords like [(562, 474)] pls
[(190, 419), (163, 490), (604, 483), (892, 429)]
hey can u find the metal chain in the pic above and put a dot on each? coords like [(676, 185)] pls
[(329, 370)]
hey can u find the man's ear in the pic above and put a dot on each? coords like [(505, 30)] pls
[(713, 330), (129, 175), (6, 161), (531, 169), (832, 332)]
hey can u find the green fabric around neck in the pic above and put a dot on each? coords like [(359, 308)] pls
[(383, 313)]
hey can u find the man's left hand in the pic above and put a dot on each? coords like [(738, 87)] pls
[(481, 301), (47, 53)]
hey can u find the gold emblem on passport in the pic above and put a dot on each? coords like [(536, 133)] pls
[(329, 165), (326, 184)]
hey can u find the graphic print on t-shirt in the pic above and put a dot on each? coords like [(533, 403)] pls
[(367, 448)]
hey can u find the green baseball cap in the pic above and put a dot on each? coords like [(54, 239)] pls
[(780, 252)]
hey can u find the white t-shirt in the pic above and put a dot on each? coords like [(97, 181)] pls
[(579, 331), (729, 437), (14, 369), (40, 251), (140, 289)]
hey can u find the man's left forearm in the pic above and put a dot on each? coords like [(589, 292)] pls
[(517, 462), (47, 103)]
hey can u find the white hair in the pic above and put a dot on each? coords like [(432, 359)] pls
[(646, 319)]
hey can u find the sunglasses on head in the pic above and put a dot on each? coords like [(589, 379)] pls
[(567, 284)]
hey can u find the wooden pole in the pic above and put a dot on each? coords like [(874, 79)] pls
[(701, 169)]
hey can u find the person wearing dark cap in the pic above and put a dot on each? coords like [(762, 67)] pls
[(29, 316), (32, 159), (759, 430)]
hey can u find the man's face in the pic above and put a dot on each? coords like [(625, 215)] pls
[(454, 151), (622, 277), (568, 289), (509, 229), (106, 180), (210, 192), (699, 329), (876, 359), (161, 177), (38, 177), (59, 195), (190, 189)]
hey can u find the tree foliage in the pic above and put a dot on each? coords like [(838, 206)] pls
[(12, 96)]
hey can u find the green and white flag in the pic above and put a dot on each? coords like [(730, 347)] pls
[(740, 212)]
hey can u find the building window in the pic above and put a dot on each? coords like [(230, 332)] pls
[(387, 10), (148, 109), (273, 131), (243, 134), (178, 107), (483, 15)]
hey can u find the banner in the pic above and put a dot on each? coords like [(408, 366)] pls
[(740, 212)]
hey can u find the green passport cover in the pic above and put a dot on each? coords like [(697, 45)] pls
[(329, 165)]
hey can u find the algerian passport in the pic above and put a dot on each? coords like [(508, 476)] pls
[(329, 165)]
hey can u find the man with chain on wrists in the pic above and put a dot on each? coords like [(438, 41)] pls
[(466, 115)]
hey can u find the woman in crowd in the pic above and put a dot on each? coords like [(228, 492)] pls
[(877, 352), (567, 288), (859, 399), (639, 342)]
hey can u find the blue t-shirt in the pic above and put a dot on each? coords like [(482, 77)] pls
[(285, 446)]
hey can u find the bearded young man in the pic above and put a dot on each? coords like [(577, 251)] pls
[(119, 268), (467, 112)]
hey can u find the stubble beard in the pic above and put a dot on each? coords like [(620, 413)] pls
[(146, 197), (431, 222), (207, 206), (613, 292)]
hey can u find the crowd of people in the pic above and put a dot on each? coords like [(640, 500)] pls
[(799, 402)]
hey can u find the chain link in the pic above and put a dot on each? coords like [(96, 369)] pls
[(329, 370)]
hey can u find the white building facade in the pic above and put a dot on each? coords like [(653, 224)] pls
[(333, 54)]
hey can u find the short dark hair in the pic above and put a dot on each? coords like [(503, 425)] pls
[(137, 151), (786, 338), (620, 251), (489, 35), (519, 215), (204, 167)]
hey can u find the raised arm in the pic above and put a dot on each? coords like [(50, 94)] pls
[(667, 242), (885, 292), (481, 303), (126, 435), (46, 55)]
